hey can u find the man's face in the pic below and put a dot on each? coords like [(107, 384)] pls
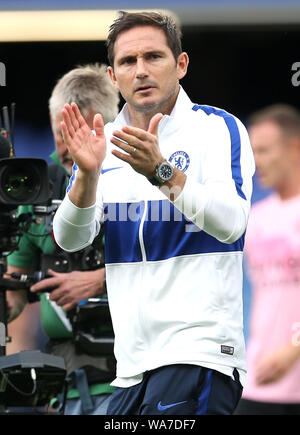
[(271, 152), (145, 71), (61, 148), (62, 151)]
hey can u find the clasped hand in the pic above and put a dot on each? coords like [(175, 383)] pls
[(88, 150)]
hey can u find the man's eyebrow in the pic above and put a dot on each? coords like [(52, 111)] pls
[(133, 56), (157, 52), (126, 57)]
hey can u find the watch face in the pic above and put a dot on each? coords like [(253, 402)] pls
[(165, 171)]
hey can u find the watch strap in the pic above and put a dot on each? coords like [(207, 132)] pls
[(154, 180)]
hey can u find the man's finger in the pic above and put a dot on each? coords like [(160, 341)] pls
[(61, 299), (68, 122), (120, 144), (127, 139), (44, 284), (122, 156), (153, 125), (98, 124), (52, 272), (73, 118), (69, 306), (65, 133), (134, 132), (77, 113)]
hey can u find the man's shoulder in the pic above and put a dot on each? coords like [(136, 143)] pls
[(207, 111), (268, 202), (262, 210), (215, 116)]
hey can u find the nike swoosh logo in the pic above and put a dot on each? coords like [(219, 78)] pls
[(161, 407), (110, 169)]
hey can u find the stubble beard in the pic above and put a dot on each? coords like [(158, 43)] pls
[(165, 105)]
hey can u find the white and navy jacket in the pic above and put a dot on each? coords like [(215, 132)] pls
[(173, 270)]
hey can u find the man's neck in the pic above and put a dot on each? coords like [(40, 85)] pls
[(141, 118), (290, 189)]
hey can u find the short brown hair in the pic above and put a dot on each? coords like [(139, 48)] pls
[(285, 116), (129, 20)]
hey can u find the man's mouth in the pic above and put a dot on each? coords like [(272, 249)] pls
[(144, 88)]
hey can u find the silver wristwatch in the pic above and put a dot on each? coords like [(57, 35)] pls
[(163, 172)]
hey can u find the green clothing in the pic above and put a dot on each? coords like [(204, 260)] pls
[(55, 159), (31, 245)]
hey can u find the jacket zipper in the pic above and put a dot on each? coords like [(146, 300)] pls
[(141, 238), (141, 297)]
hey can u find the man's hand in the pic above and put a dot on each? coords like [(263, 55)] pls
[(142, 146), (275, 365), (73, 287), (87, 150)]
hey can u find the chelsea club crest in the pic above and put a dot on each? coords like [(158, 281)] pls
[(180, 160)]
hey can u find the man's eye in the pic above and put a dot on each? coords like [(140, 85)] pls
[(128, 61), (154, 56)]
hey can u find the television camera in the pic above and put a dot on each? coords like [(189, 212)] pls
[(29, 379)]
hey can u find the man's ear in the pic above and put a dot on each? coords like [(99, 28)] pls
[(51, 121), (113, 77), (294, 146), (182, 65)]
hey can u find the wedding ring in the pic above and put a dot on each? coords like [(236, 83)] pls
[(134, 150)]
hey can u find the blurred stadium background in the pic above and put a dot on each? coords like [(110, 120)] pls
[(241, 57)]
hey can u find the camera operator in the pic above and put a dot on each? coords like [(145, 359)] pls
[(90, 87)]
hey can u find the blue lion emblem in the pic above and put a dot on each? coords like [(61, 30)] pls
[(180, 160)]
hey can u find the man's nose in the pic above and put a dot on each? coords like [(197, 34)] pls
[(141, 69)]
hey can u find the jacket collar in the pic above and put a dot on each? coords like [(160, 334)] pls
[(183, 103)]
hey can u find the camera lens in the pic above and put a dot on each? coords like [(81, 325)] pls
[(20, 183), (23, 181)]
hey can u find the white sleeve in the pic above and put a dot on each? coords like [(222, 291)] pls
[(220, 204), (75, 228)]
